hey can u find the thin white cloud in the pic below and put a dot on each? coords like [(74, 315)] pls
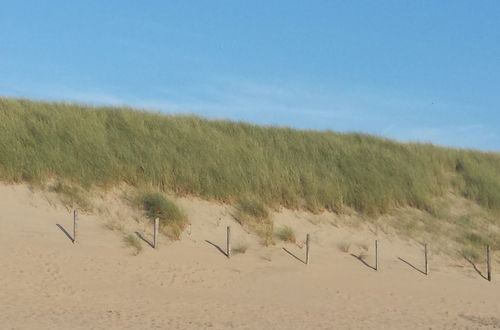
[(403, 117), (466, 136)]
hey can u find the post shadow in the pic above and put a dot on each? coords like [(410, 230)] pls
[(66, 233), (293, 255), (217, 247), (143, 239), (475, 268), (409, 264), (363, 262)]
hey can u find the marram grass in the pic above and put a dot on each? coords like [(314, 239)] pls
[(227, 161)]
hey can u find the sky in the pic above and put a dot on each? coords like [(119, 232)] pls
[(426, 71)]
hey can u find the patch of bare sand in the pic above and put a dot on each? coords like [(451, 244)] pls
[(46, 282)]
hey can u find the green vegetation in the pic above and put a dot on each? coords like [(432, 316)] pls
[(362, 255), (71, 196), (344, 246), (114, 225), (172, 220), (252, 213), (252, 210), (286, 234), (474, 245), (227, 161), (133, 242), (240, 249)]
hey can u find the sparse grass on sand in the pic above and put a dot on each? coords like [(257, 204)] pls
[(133, 242), (253, 213), (344, 246), (240, 248), (363, 246), (286, 234), (114, 225), (362, 255), (172, 219), (71, 195)]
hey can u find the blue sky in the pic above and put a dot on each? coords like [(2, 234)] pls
[(411, 70)]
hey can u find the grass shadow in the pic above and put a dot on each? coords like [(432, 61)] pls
[(293, 255), (475, 267), (409, 264), (217, 247), (66, 233), (145, 240), (363, 262)]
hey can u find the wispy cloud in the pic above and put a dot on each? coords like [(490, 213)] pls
[(375, 111), (472, 136)]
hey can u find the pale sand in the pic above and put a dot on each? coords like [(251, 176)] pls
[(46, 282)]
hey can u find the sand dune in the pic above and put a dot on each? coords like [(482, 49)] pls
[(46, 282)]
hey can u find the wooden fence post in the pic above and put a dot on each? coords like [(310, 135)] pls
[(228, 241), (155, 233), (488, 261), (426, 261), (376, 255), (307, 249), (75, 224)]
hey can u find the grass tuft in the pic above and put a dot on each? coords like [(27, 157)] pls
[(240, 249), (286, 234), (253, 213), (133, 242), (362, 255), (173, 221), (115, 225), (71, 195), (252, 210), (344, 246)]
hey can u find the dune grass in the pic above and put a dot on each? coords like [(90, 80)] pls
[(253, 214), (344, 246), (228, 161), (252, 210), (172, 219), (286, 234), (134, 243), (240, 249), (71, 195)]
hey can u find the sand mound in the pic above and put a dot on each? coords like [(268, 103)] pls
[(47, 282)]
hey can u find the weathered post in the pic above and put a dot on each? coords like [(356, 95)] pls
[(426, 260), (75, 224), (376, 255), (488, 261), (307, 249), (155, 233), (228, 241)]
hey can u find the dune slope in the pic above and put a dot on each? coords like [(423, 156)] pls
[(46, 282)]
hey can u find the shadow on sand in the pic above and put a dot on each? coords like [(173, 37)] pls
[(217, 247), (66, 233), (293, 255), (475, 267), (409, 264), (145, 240), (363, 262)]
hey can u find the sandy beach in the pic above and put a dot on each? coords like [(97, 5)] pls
[(47, 282)]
